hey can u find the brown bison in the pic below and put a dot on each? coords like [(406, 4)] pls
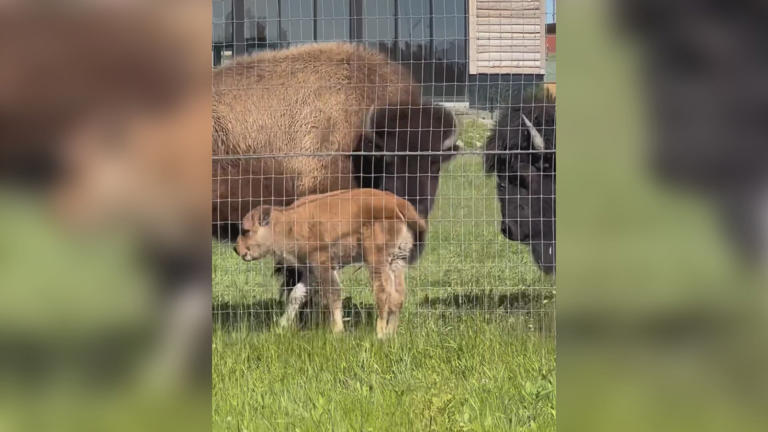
[(318, 118)]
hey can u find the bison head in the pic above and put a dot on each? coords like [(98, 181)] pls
[(527, 200), (520, 153), (402, 149)]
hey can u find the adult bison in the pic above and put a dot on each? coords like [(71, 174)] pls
[(520, 151), (318, 118), (323, 117)]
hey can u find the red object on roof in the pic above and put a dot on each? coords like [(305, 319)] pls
[(551, 44)]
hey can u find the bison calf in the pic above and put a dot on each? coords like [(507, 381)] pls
[(325, 233)]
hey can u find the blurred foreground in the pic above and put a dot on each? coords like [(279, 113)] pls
[(662, 216), (104, 173)]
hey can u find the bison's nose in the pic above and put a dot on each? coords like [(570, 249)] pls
[(506, 229)]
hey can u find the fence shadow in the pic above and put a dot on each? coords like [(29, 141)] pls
[(533, 309), (262, 315), (521, 301)]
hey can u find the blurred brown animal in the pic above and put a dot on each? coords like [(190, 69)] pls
[(118, 140), (327, 232)]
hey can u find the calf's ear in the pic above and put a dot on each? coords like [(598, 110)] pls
[(259, 216), (248, 220), (264, 215)]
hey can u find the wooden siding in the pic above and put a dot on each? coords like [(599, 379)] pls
[(507, 36)]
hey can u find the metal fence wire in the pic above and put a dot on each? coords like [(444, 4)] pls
[(446, 104)]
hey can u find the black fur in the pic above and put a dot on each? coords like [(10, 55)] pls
[(289, 275), (418, 131)]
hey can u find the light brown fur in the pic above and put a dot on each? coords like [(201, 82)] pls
[(307, 99), (330, 231)]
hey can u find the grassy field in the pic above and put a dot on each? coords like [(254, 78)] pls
[(475, 348)]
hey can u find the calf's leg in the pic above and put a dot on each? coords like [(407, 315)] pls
[(295, 300), (381, 293), (331, 293), (375, 257), (396, 298), (295, 285)]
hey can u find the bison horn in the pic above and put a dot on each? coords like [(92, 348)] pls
[(450, 141), (368, 127), (536, 139)]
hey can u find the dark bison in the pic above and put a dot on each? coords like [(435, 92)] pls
[(318, 118), (521, 152)]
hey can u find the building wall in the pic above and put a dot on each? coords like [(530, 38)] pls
[(460, 50), (429, 37), (507, 37)]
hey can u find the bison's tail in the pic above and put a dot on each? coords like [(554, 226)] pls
[(418, 227), (419, 242)]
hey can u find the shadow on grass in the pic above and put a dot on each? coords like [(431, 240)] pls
[(264, 314), (256, 315), (534, 306), (523, 300)]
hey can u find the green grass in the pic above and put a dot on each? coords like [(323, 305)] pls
[(473, 134), (475, 348), (460, 374)]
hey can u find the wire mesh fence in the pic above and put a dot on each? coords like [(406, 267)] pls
[(444, 105)]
